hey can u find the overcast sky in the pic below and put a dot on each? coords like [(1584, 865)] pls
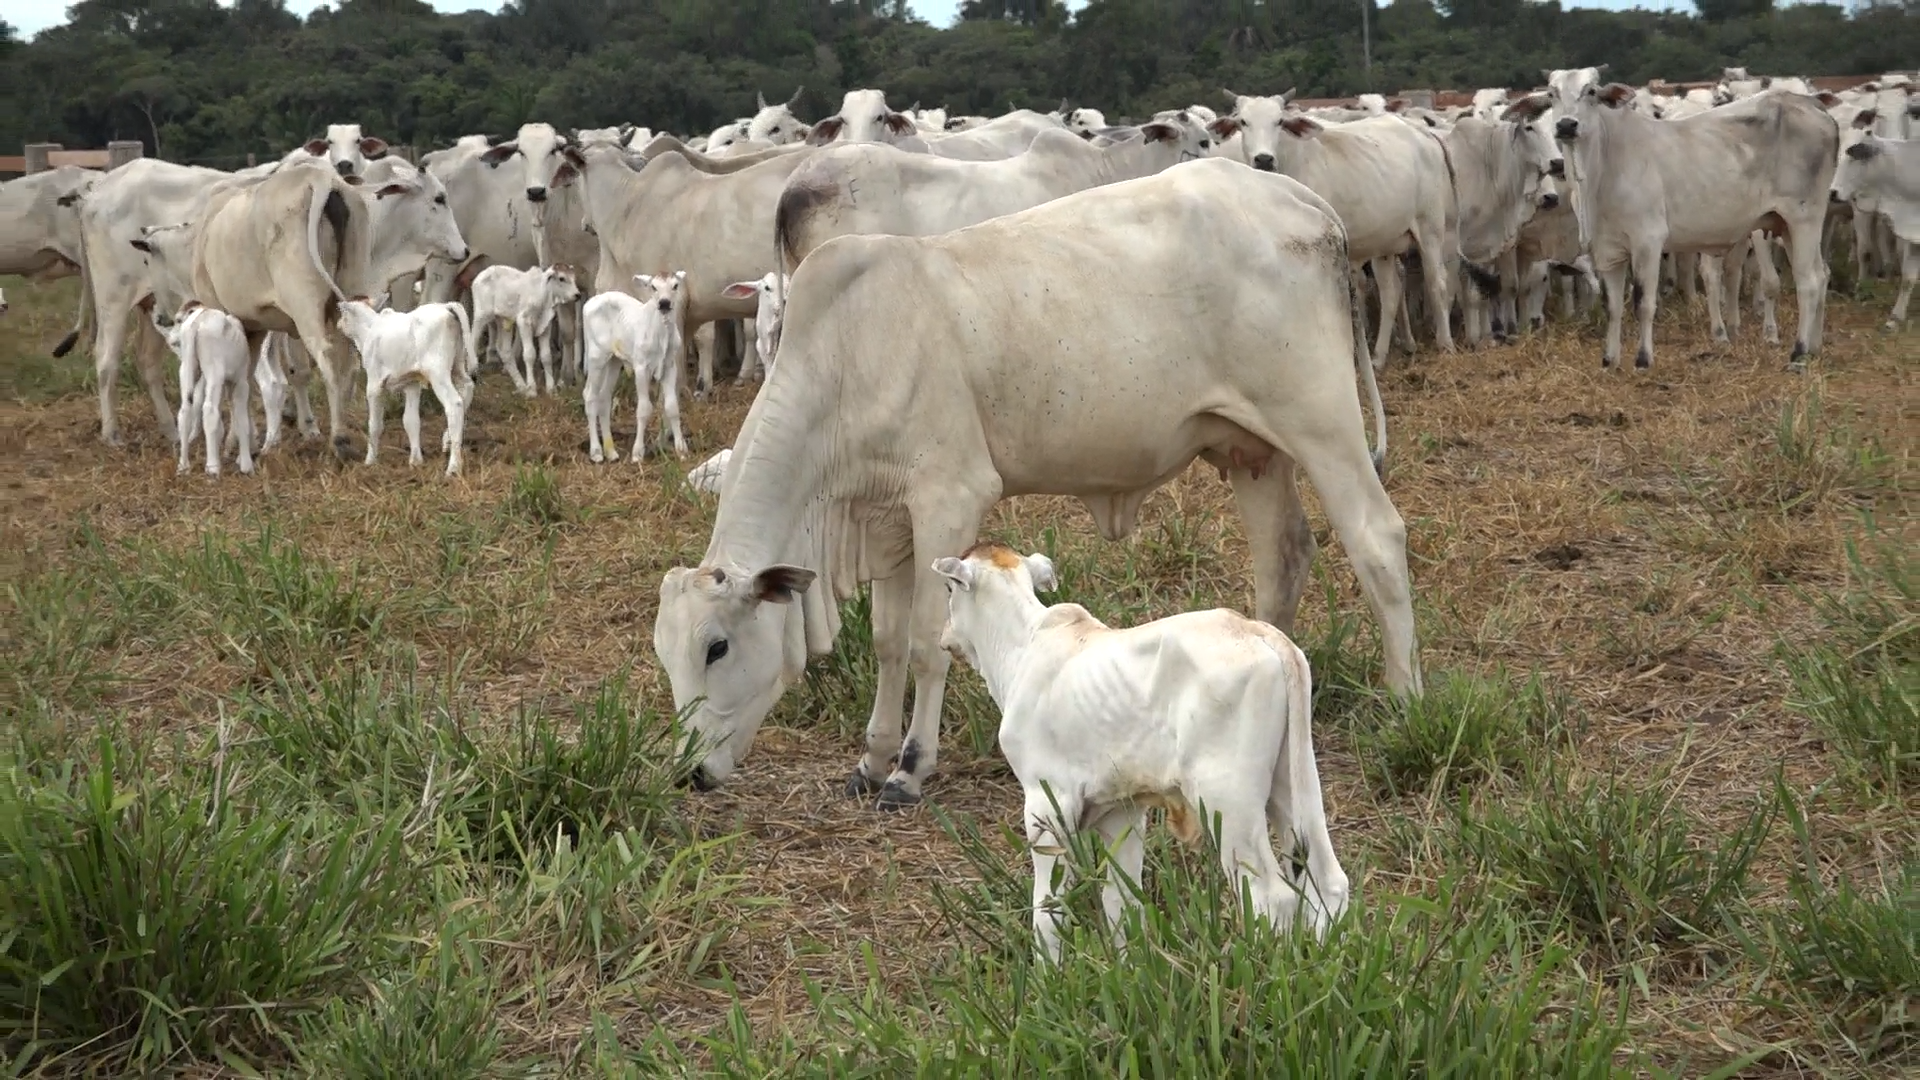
[(31, 16)]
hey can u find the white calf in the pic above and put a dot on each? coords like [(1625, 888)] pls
[(432, 345), (645, 335), (283, 366), (706, 476), (772, 291), (1200, 714), (212, 347), (522, 302)]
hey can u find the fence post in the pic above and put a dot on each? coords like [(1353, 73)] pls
[(249, 159), (36, 155), (1418, 99), (119, 152)]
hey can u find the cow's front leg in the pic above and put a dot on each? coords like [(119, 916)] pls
[(929, 663), (892, 606)]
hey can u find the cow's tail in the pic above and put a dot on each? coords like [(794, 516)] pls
[(325, 204), (467, 339), (1363, 360), (84, 317)]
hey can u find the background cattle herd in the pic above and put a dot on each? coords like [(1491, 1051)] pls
[(566, 257)]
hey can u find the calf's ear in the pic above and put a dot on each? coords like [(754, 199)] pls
[(1040, 569), (740, 290), (955, 570)]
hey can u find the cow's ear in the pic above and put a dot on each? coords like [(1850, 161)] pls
[(780, 583), (901, 124), (1302, 127), (316, 147), (1866, 118), (68, 199), (574, 157), (1527, 108), (1827, 98), (394, 189), (1226, 127), (825, 131), (373, 149), (1040, 569), (141, 245), (1862, 151), (958, 571), (500, 153), (564, 176), (1396, 105), (1615, 95), (1157, 132)]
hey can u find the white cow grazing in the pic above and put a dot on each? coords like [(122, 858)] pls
[(1504, 171), (1082, 353), (770, 294), (643, 334), (212, 347), (707, 475), (868, 188), (864, 116), (1389, 182), (1701, 184), (509, 303), (344, 148), (1199, 714), (1888, 172), (432, 345)]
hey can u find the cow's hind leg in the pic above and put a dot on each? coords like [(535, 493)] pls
[(1766, 290), (1712, 272), (1909, 275), (148, 349), (1279, 537), (1389, 283), (1613, 282), (1123, 830), (1646, 268)]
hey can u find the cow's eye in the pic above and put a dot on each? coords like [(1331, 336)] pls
[(716, 651), (1204, 143), (441, 199)]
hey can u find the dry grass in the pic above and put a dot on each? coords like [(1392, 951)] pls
[(1641, 540)]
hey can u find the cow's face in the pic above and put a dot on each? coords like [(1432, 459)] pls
[(721, 636), (414, 213), (1539, 155), (563, 285), (663, 291), (1263, 125), (346, 149), (863, 117), (543, 161), (1565, 85), (1866, 156), (776, 124), (1587, 110)]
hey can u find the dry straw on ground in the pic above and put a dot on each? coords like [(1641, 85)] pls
[(1638, 538)]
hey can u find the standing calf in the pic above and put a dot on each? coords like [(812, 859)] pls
[(645, 334), (432, 345), (524, 302), (771, 290), (1203, 713), (212, 347)]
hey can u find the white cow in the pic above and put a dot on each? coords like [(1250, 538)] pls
[(1565, 85), (1389, 182), (642, 334), (1082, 120), (509, 303), (871, 188), (1504, 171), (282, 366), (1888, 172), (1701, 184), (775, 125), (1001, 137), (670, 211), (769, 295), (432, 345), (1202, 714), (864, 116), (146, 191), (212, 347), (542, 152), (40, 222), (1489, 102), (1076, 348), (344, 148)]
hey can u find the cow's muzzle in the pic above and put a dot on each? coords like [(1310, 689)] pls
[(1263, 162), (344, 168), (1834, 196), (1550, 200), (1566, 128), (1557, 168), (666, 305), (536, 194)]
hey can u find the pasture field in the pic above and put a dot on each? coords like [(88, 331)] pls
[(340, 772)]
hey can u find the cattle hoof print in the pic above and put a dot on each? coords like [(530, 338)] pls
[(895, 796)]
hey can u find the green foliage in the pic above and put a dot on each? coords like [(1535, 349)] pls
[(1627, 866), (1462, 733), (149, 921), (1198, 987), (211, 83)]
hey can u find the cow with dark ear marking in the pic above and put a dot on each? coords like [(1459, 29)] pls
[(1885, 174)]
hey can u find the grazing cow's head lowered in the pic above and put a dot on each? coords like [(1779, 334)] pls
[(721, 636), (346, 149), (1261, 122), (543, 152)]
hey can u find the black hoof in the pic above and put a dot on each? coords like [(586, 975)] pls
[(1606, 362), (1799, 353), (1643, 359), (860, 786), (342, 448), (895, 796)]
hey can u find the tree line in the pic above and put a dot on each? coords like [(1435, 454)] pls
[(201, 82)]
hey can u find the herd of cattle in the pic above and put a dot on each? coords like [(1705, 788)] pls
[(954, 310)]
